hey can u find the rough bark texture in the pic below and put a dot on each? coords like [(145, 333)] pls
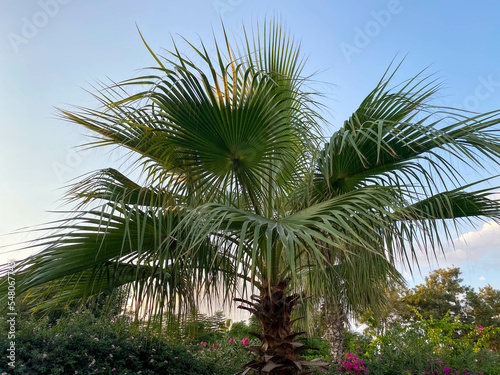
[(278, 353), (335, 321)]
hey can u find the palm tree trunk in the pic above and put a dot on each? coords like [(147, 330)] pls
[(335, 320), (279, 349)]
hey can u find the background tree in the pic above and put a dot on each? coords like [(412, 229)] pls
[(483, 310), (442, 292), (484, 306)]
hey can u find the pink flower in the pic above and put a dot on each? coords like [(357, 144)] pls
[(44, 356), (231, 341), (245, 341), (203, 343), (352, 365)]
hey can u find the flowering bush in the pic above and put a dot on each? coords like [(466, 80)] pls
[(227, 350), (352, 365), (433, 347), (80, 344), (83, 344)]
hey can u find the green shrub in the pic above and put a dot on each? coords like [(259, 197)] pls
[(432, 347), (83, 344)]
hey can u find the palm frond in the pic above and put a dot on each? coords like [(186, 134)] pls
[(396, 138)]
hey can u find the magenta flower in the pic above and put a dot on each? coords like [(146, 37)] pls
[(245, 341), (352, 365)]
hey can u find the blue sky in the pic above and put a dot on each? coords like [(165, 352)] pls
[(52, 50)]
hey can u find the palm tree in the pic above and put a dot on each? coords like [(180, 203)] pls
[(237, 189)]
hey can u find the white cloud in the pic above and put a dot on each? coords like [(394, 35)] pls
[(477, 248), (482, 278), (478, 245)]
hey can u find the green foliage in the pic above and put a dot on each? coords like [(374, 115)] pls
[(442, 293), (431, 346), (483, 307), (439, 295), (322, 349), (81, 343), (74, 341), (202, 327), (357, 342), (436, 326), (242, 329)]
